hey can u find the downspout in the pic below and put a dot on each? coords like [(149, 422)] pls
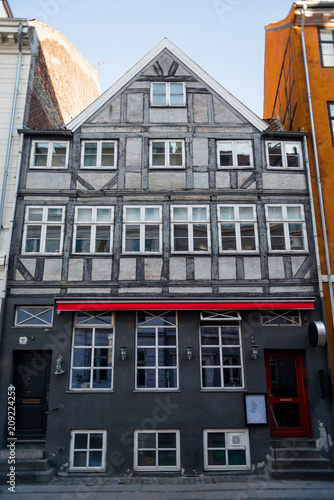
[(316, 160), (11, 127)]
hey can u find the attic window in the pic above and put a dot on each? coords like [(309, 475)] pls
[(167, 94)]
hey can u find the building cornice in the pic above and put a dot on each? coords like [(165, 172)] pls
[(9, 33)]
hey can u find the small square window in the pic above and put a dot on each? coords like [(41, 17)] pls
[(281, 318), (99, 154), (88, 451), (157, 450), (167, 94), (49, 154), (226, 449)]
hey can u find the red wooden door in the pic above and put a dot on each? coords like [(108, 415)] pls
[(287, 395)]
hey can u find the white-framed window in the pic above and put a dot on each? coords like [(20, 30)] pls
[(167, 153), (232, 154), (43, 230), (286, 228), (142, 229), (190, 229), (281, 318), (237, 228), (284, 155), (168, 94), (88, 450), (157, 450), (92, 351), (157, 346), (93, 229), (221, 355), (99, 154), (226, 449), (49, 154), (326, 43), (331, 118), (33, 316)]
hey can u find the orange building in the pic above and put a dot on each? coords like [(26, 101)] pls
[(299, 91)]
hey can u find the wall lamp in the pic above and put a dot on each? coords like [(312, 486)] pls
[(124, 354), (189, 353), (255, 352)]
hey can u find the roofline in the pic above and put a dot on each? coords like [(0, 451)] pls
[(7, 8), (166, 44)]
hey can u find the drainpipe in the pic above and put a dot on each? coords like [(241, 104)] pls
[(316, 159), (11, 127)]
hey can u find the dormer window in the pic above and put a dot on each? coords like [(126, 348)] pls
[(168, 94), (49, 154), (284, 155)]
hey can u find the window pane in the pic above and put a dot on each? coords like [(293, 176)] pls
[(83, 337), (230, 335), (95, 441), (292, 156), (132, 238), (80, 379), (52, 240), (82, 357), (328, 60), (159, 94), (243, 154), (59, 154), (294, 213), (102, 357), (80, 441), (216, 440), (35, 214), (246, 213), (228, 237), (166, 336), (37, 316), (167, 378), (108, 154), (152, 239), (102, 379), (296, 236), (79, 459), (146, 357), (216, 457), (200, 237), (103, 215), (199, 213), (167, 356), (237, 457), (209, 335), (84, 214), (152, 214), (95, 459), (247, 234), (180, 213), (210, 356), (275, 154), (181, 237), (102, 243), (55, 214), (146, 336), (33, 239), (175, 154), (158, 153), (167, 458), (176, 94), (146, 379), (232, 377), (227, 213), (326, 35), (146, 440), (277, 237), (146, 459), (231, 356), (41, 154), (225, 154), (211, 377), (82, 242), (90, 154), (132, 214), (103, 336), (275, 213)]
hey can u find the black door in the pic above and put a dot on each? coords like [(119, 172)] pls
[(31, 381)]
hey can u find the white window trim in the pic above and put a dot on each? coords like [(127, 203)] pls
[(227, 432), (285, 221), (167, 165), (237, 222), (157, 367), (234, 155), (43, 223), (93, 224), (49, 156), (142, 223), (221, 366), (284, 155), (22, 324), (98, 154), (102, 468), (323, 43), (189, 222), (92, 347), (157, 468), (168, 96), (280, 314)]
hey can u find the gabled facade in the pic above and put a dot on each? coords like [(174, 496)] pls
[(162, 282)]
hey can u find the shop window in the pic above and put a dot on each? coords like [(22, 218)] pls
[(226, 449), (88, 451), (157, 450)]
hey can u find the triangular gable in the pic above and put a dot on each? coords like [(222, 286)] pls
[(143, 63)]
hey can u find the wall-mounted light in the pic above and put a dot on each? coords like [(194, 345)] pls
[(255, 352), (124, 354), (24, 340), (189, 353), (59, 363)]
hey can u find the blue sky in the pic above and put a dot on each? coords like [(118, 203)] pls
[(225, 37)]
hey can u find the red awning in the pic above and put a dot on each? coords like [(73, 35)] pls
[(177, 305)]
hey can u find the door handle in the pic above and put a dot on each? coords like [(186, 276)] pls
[(269, 392)]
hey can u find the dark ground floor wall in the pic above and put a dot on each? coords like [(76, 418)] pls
[(192, 427)]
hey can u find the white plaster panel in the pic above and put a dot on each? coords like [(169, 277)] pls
[(52, 269), (101, 269), (153, 269), (30, 265), (127, 269), (111, 113), (292, 289), (135, 108), (241, 289), (132, 180), (200, 103), (133, 151), (200, 152), (139, 85), (243, 177), (97, 179), (202, 268), (184, 290), (48, 180), (35, 291), (18, 276), (167, 180), (90, 291), (75, 270), (227, 268), (252, 268), (283, 181), (223, 180), (145, 291), (169, 115), (223, 114), (201, 180), (177, 268), (296, 262), (276, 267)]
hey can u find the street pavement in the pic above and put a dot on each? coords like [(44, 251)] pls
[(172, 488)]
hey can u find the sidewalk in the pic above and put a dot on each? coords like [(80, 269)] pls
[(173, 488)]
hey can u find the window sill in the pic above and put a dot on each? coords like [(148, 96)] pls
[(85, 391), (143, 391), (235, 167), (286, 169), (98, 168), (224, 389), (167, 167), (48, 168)]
